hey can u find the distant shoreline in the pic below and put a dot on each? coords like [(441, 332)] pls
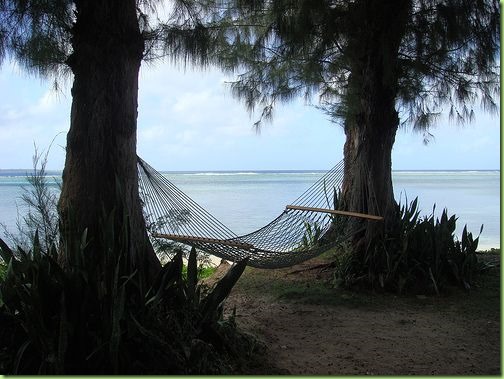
[(24, 172), (247, 200)]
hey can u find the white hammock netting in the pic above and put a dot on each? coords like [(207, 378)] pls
[(305, 229)]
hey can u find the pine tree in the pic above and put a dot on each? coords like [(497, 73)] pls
[(106, 312), (102, 44), (375, 65)]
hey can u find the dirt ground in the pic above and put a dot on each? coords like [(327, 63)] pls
[(308, 327)]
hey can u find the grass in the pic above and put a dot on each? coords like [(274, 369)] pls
[(203, 272), (317, 287), (305, 287)]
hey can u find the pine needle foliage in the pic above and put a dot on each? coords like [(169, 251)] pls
[(447, 58), (38, 33), (95, 312)]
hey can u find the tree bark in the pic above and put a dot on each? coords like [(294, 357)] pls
[(372, 120), (100, 174)]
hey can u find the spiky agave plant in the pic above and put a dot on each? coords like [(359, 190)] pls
[(420, 254)]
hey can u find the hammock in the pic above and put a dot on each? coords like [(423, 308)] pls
[(305, 229)]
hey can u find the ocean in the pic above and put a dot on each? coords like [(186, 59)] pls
[(246, 201)]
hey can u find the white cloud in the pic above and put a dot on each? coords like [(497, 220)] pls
[(193, 103), (47, 103), (30, 113), (473, 146), (189, 120), (152, 133)]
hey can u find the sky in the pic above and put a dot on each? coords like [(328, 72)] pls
[(188, 121)]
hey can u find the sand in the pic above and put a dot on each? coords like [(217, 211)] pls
[(355, 333)]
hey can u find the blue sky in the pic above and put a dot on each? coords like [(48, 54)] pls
[(189, 121)]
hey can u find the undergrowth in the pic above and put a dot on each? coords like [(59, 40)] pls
[(94, 317), (75, 321), (3, 270), (38, 208), (418, 255)]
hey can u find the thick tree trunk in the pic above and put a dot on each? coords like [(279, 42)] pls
[(100, 174), (372, 120), (367, 185)]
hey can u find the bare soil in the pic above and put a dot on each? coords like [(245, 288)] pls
[(308, 327)]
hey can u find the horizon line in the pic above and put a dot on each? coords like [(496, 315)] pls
[(268, 170)]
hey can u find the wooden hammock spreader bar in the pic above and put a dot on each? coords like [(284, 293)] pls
[(333, 211), (176, 237)]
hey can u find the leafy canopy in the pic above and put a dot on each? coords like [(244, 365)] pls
[(285, 48), (38, 33), (281, 49)]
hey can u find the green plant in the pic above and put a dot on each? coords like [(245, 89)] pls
[(340, 225), (204, 271), (311, 237), (31, 301), (88, 316), (342, 261), (100, 318), (40, 200), (419, 254), (3, 270)]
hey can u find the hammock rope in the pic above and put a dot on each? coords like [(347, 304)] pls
[(305, 229)]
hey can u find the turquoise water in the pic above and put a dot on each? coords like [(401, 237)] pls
[(245, 201)]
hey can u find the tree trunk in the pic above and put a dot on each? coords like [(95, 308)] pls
[(367, 184), (100, 174), (372, 120)]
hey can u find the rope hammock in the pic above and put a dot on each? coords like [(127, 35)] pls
[(305, 229)]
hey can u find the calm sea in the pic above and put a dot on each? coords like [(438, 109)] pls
[(245, 201)]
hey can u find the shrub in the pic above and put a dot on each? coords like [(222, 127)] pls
[(418, 254), (81, 321), (92, 319), (40, 200)]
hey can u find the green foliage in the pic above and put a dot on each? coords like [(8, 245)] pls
[(343, 272), (36, 33), (445, 54), (40, 201), (57, 333), (3, 270), (203, 271), (315, 236), (419, 254), (311, 237), (86, 319), (339, 223)]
